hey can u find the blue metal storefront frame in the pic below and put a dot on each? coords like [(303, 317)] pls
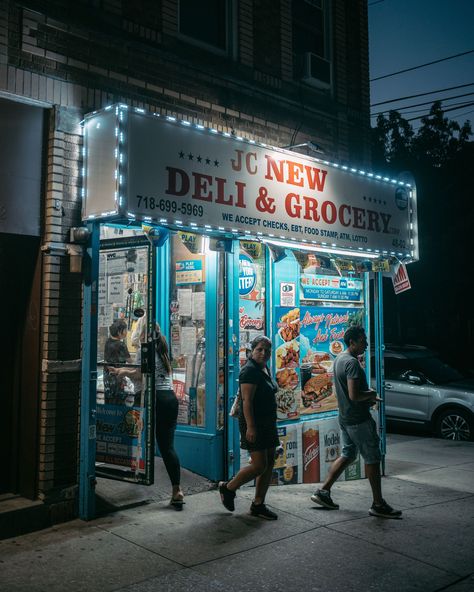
[(87, 478), (378, 360), (232, 339), (208, 451)]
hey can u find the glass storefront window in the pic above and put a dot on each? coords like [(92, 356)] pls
[(251, 294), (121, 400), (123, 286), (187, 326)]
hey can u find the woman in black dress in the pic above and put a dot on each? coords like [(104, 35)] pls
[(258, 431)]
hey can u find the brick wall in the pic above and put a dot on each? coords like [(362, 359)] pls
[(60, 312)]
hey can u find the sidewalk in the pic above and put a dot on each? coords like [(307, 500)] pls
[(205, 548)]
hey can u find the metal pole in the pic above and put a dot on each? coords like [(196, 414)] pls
[(378, 359), (87, 480)]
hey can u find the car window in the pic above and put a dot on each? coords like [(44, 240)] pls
[(395, 368), (436, 370)]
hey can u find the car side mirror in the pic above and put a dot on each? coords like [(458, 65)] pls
[(415, 379)]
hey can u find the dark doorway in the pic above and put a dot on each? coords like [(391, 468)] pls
[(20, 359)]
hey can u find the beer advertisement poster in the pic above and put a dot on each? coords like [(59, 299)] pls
[(310, 452), (329, 444)]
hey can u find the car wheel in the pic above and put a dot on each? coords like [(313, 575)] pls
[(455, 424)]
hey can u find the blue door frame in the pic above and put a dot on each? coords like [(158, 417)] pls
[(378, 360), (232, 340), (87, 479)]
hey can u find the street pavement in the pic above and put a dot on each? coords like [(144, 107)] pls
[(205, 548)]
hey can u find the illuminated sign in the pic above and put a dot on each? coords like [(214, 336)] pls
[(182, 175)]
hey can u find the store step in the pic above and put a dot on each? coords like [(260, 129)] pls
[(19, 515)]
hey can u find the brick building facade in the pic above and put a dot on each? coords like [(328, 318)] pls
[(278, 71)]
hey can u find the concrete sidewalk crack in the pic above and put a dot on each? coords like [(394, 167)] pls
[(458, 581), (380, 546), (141, 546)]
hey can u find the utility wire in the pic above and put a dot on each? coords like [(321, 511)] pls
[(461, 104), (444, 111), (376, 2), (424, 103), (422, 65), (465, 113), (431, 92)]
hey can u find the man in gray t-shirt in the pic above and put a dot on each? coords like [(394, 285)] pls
[(358, 429), (346, 368)]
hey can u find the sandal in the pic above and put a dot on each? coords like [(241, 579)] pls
[(177, 502)]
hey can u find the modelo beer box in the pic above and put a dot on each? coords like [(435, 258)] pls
[(331, 447), (329, 444)]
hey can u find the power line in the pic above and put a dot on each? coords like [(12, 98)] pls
[(431, 92), (465, 113), (424, 103), (376, 2), (422, 65), (459, 105), (444, 111)]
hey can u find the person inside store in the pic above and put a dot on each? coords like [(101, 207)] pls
[(166, 410), (358, 428), (258, 430), (115, 352)]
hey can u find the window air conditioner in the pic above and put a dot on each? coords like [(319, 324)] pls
[(316, 71)]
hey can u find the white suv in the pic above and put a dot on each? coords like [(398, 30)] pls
[(421, 388)]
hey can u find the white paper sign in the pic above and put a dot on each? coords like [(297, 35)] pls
[(116, 262), (287, 293), (185, 302), (188, 341), (102, 294), (199, 306), (115, 290)]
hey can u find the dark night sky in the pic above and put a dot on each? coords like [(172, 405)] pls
[(406, 33)]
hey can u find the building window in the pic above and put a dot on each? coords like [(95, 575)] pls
[(311, 56), (205, 21), (267, 36)]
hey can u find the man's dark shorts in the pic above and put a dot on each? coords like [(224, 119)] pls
[(363, 437)]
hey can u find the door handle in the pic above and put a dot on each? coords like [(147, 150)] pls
[(388, 386)]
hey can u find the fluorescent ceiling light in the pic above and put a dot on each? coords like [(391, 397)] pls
[(307, 247)]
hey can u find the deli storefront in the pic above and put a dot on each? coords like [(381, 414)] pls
[(219, 239)]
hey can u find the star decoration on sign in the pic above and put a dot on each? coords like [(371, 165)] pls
[(207, 160)]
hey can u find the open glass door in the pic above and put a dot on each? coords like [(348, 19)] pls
[(125, 440), (190, 310)]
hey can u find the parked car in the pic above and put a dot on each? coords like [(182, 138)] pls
[(421, 388)]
